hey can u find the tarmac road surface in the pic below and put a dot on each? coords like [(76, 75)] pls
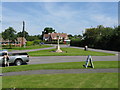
[(58, 59)]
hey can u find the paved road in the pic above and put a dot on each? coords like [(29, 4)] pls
[(113, 70), (20, 51), (99, 50), (58, 59), (30, 50), (91, 49)]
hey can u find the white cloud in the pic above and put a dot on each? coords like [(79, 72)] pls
[(105, 20), (61, 18), (15, 20)]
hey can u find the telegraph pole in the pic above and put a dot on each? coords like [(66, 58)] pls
[(23, 26), (23, 34)]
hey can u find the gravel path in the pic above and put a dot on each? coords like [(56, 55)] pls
[(112, 70)]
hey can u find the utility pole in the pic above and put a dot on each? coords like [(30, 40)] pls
[(1, 41), (23, 26), (23, 34)]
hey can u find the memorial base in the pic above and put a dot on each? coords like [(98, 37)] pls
[(58, 49)]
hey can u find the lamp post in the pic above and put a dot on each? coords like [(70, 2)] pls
[(58, 46)]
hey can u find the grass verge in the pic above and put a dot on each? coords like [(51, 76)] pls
[(84, 80), (68, 52), (65, 65)]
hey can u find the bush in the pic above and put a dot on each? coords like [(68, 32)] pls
[(8, 46), (75, 42), (29, 43), (36, 42), (53, 42)]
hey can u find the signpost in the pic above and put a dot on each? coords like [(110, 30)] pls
[(89, 60)]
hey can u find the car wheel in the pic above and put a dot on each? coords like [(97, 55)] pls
[(18, 62)]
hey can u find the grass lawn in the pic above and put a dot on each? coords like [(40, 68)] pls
[(65, 65), (29, 47), (84, 80), (68, 52)]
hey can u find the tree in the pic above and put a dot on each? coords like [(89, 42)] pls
[(34, 37), (36, 42), (114, 42), (100, 37), (74, 37), (103, 37), (23, 34), (100, 26), (9, 34), (48, 30), (70, 36)]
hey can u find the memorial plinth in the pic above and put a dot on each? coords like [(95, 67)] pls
[(58, 49)]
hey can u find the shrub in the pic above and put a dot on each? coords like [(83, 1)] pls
[(29, 43), (53, 42), (36, 42), (75, 42)]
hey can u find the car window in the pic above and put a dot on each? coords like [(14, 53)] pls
[(19, 54)]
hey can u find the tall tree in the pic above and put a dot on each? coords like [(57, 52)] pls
[(23, 34), (9, 34), (70, 36), (101, 37), (48, 30), (34, 37)]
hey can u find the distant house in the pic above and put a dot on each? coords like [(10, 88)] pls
[(19, 42), (22, 41), (54, 36), (46, 37)]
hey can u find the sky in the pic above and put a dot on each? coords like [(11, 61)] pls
[(67, 17)]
